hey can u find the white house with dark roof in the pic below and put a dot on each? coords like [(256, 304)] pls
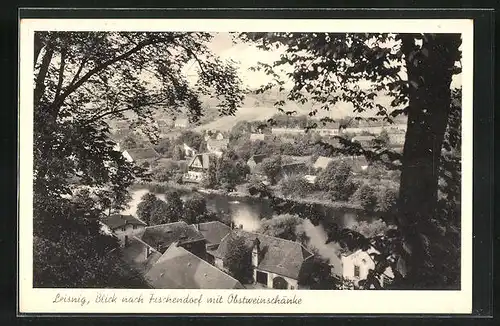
[(141, 155), (277, 263), (217, 146), (124, 227), (356, 265), (198, 167), (178, 268)]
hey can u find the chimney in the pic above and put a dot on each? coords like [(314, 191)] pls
[(255, 252)]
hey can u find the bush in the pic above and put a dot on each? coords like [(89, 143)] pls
[(286, 226), (295, 186), (238, 259), (387, 200), (365, 196), (371, 229)]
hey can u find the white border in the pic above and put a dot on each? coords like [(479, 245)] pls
[(326, 302)]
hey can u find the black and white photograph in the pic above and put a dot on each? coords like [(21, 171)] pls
[(246, 160)]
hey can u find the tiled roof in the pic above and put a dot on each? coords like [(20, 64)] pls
[(162, 236), (177, 268), (134, 255), (118, 220), (322, 162), (142, 153), (213, 231), (278, 255)]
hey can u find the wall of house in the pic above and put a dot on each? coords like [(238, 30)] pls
[(292, 283), (359, 258), (194, 176), (129, 231)]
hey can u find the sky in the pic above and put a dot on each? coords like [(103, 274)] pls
[(248, 55)]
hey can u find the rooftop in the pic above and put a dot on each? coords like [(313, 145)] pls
[(134, 255), (213, 231), (177, 268), (119, 220), (322, 162), (162, 236), (142, 153), (278, 255)]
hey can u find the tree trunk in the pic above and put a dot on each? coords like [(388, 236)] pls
[(429, 71)]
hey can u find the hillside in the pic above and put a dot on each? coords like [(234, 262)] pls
[(259, 107)]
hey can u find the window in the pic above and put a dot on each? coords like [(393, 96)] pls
[(356, 271)]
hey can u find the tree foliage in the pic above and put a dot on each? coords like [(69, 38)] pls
[(286, 226), (336, 180), (271, 167), (295, 185), (195, 209), (238, 259)]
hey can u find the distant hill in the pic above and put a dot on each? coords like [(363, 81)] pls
[(260, 107), (257, 107)]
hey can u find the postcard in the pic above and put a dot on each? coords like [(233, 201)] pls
[(258, 166)]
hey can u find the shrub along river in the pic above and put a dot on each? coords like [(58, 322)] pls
[(248, 211)]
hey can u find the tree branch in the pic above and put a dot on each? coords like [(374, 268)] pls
[(61, 73), (99, 68), (128, 108), (42, 74)]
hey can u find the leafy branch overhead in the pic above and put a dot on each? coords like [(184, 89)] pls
[(84, 79)]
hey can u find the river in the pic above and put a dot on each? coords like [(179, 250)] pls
[(247, 212)]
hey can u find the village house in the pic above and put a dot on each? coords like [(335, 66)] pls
[(141, 155), (284, 131), (139, 255), (124, 227), (181, 123), (188, 150), (397, 138), (357, 264), (198, 167), (254, 137), (217, 146), (178, 268), (322, 162), (364, 140), (213, 232), (160, 237), (213, 134), (276, 263)]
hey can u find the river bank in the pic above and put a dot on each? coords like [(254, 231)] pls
[(242, 192)]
